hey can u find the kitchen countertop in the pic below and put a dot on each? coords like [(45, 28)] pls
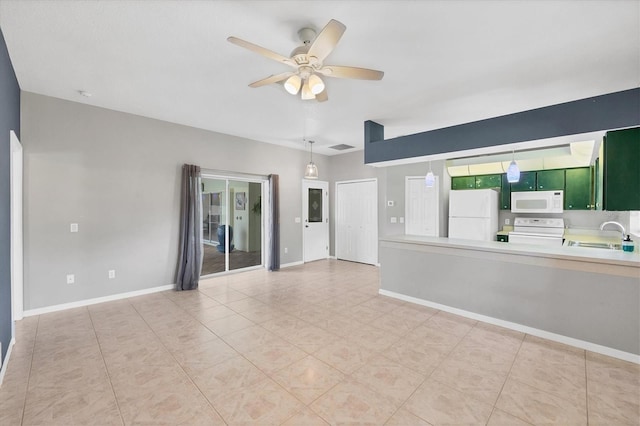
[(591, 255)]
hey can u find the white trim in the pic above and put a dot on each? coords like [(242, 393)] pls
[(290, 264), (16, 164), (5, 361), (604, 350), (94, 301)]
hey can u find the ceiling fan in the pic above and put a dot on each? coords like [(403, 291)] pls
[(308, 63)]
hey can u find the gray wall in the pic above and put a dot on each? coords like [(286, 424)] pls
[(598, 304), (92, 166), (391, 181), (9, 120)]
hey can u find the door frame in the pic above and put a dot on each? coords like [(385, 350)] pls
[(17, 266), (306, 184), (335, 214), (266, 216)]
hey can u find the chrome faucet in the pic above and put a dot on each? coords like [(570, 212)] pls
[(619, 225)]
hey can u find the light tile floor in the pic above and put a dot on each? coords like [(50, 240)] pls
[(309, 345)]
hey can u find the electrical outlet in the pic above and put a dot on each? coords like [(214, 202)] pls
[(112, 274), (74, 227), (71, 279), (286, 250), (390, 203), (401, 219), (297, 220), (507, 221)]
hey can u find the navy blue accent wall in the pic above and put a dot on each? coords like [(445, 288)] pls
[(9, 120), (605, 112)]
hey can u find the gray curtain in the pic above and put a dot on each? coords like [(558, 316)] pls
[(190, 252), (274, 226)]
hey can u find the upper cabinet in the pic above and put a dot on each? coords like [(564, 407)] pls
[(527, 182), (621, 171), (463, 182), (550, 180), (488, 181), (578, 189)]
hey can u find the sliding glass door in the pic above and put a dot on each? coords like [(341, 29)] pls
[(233, 224)]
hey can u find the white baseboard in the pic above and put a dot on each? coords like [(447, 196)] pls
[(604, 350), (87, 302), (289, 265), (5, 361)]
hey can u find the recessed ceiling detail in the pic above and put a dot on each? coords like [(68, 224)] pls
[(341, 147)]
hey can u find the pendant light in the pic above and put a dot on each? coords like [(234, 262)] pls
[(513, 172), (430, 179), (311, 172)]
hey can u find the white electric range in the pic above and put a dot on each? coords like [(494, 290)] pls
[(539, 231)]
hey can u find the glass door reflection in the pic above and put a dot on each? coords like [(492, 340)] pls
[(232, 219)]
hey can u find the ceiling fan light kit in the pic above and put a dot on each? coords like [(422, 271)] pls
[(307, 60)]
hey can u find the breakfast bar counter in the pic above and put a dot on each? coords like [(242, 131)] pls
[(585, 297)]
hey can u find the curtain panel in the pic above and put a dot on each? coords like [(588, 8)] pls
[(274, 225), (190, 250)]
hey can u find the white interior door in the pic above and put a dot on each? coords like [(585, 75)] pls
[(315, 224), (421, 207), (357, 221), (17, 305)]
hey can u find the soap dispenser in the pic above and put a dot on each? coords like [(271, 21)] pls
[(627, 244)]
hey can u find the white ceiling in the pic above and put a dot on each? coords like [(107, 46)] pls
[(445, 62)]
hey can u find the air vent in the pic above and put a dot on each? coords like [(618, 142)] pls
[(341, 147)]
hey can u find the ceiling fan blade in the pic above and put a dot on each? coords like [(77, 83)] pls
[(262, 51), (272, 79), (322, 96), (351, 72), (326, 41)]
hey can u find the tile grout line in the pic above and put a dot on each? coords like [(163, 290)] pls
[(506, 379), (174, 358), (104, 362), (26, 392)]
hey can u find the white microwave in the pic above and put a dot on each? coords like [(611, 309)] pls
[(537, 202)]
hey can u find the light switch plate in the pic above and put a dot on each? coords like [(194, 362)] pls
[(74, 227), (71, 279), (402, 220), (394, 219), (297, 219)]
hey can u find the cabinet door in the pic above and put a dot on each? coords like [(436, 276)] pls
[(622, 170), (488, 181), (527, 182), (549, 180), (463, 182), (577, 190), (505, 194)]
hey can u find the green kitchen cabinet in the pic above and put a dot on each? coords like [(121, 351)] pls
[(488, 181), (463, 182), (549, 180), (527, 182), (505, 193), (577, 190), (621, 180)]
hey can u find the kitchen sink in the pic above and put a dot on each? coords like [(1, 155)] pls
[(608, 246)]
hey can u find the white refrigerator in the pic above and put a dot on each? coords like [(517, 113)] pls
[(473, 214)]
